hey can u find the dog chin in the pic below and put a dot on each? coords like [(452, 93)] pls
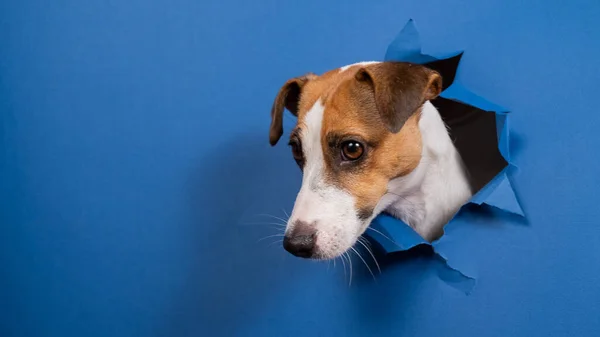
[(334, 250)]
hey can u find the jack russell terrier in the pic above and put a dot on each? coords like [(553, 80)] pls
[(368, 140)]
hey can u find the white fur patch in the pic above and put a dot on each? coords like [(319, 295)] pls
[(330, 209), (438, 187), (366, 63)]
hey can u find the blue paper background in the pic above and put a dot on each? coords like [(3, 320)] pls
[(134, 150)]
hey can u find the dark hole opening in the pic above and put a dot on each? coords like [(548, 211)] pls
[(473, 130), (475, 136)]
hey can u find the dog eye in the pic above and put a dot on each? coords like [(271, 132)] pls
[(352, 150), (297, 151)]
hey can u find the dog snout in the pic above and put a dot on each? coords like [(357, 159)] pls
[(301, 241)]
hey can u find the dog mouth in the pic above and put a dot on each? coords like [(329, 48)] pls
[(323, 230)]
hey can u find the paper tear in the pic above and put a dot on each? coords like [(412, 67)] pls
[(394, 238), (392, 234), (407, 46), (504, 198), (454, 277)]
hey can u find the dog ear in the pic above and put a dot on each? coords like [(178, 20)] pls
[(288, 97), (400, 89)]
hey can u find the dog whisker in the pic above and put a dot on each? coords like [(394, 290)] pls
[(286, 214), (330, 262), (363, 260), (364, 240), (415, 156), (277, 229), (347, 255), (273, 216), (276, 242), (263, 224), (270, 236), (385, 236), (350, 260), (344, 265), (370, 252), (401, 197)]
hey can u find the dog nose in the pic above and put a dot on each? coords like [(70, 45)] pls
[(300, 245), (301, 242)]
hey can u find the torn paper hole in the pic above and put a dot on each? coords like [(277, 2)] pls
[(480, 131)]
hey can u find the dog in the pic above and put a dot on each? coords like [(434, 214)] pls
[(368, 140)]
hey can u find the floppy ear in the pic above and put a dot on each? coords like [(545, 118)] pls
[(288, 97), (400, 89)]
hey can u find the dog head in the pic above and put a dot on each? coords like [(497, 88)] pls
[(357, 129)]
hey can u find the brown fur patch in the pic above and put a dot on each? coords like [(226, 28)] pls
[(387, 155)]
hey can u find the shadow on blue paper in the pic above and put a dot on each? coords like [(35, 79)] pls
[(467, 116)]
